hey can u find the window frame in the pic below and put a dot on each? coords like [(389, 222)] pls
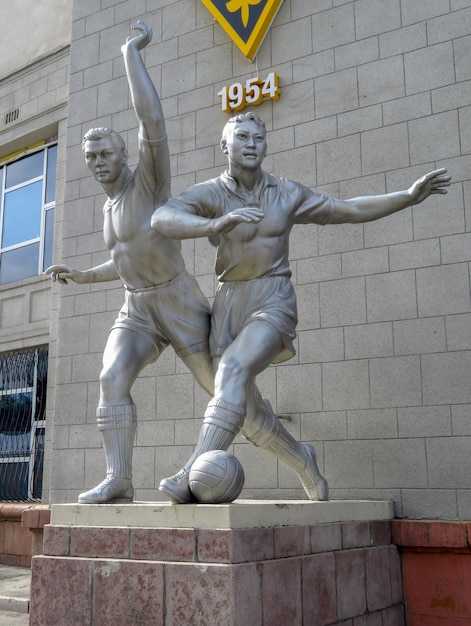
[(46, 207)]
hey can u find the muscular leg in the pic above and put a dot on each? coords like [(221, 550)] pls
[(261, 426), (126, 354), (236, 395), (201, 366), (249, 354)]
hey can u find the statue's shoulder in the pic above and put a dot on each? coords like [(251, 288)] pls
[(287, 185), (206, 193), (288, 182), (218, 181)]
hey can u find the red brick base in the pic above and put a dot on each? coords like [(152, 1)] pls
[(347, 574), (436, 562)]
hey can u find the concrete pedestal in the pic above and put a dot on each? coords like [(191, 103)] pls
[(249, 563)]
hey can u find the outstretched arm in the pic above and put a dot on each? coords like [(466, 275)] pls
[(100, 273), (144, 96), (369, 208), (179, 224)]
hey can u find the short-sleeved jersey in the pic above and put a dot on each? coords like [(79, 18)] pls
[(142, 256), (255, 250)]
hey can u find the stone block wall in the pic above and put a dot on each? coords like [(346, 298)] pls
[(374, 94)]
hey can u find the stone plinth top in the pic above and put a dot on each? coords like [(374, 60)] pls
[(238, 514)]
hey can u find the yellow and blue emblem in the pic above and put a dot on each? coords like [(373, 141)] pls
[(245, 21)]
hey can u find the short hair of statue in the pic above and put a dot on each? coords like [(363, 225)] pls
[(95, 134), (250, 116)]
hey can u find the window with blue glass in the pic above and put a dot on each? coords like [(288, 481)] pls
[(27, 205)]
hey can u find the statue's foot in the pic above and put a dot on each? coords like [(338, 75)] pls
[(112, 489), (177, 487), (315, 485)]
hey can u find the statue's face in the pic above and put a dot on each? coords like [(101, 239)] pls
[(104, 159), (245, 144)]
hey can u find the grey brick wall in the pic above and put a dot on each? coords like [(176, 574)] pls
[(374, 94)]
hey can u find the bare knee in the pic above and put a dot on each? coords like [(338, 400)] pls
[(114, 389), (231, 373)]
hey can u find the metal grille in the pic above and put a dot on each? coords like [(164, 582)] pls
[(12, 116), (23, 382)]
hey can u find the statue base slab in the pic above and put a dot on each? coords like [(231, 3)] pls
[(248, 563), (238, 514)]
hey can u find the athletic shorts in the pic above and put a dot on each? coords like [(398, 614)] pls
[(236, 304), (175, 313)]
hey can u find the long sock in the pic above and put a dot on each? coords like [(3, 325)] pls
[(117, 425), (222, 422), (267, 433)]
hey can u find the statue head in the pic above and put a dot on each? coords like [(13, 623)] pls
[(244, 141), (242, 117), (95, 134), (105, 154)]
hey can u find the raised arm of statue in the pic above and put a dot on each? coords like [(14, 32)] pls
[(144, 96), (369, 208)]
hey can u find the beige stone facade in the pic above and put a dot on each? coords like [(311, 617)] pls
[(34, 88), (373, 94)]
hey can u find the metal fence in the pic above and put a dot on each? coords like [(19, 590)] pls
[(23, 383)]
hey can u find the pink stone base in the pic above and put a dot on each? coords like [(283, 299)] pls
[(436, 561), (338, 573), (21, 531)]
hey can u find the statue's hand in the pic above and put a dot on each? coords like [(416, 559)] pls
[(244, 215), (63, 273), (141, 39), (433, 182)]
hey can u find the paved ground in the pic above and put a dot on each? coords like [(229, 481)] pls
[(14, 595), (8, 618)]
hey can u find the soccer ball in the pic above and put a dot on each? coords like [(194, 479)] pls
[(216, 477)]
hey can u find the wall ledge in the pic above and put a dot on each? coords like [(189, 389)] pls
[(432, 535), (13, 511), (32, 516)]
